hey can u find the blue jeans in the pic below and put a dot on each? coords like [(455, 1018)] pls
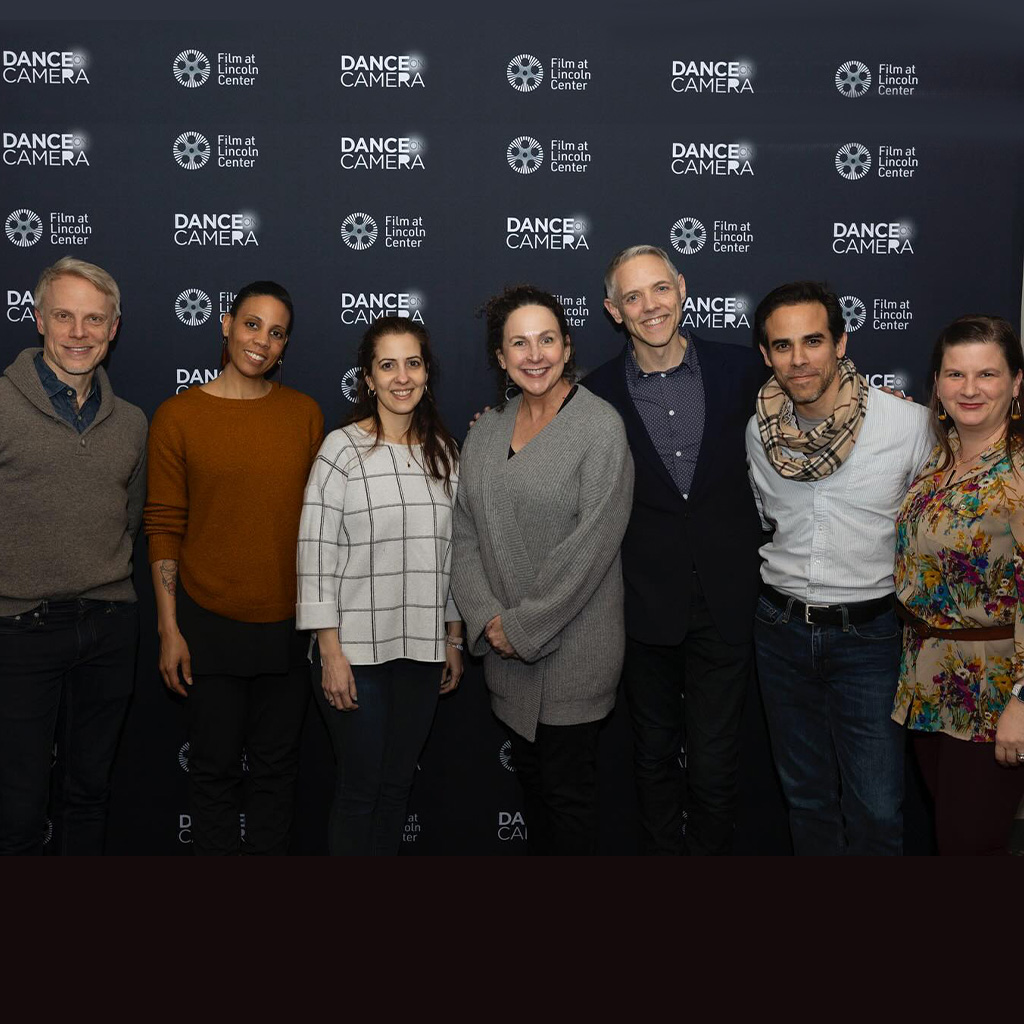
[(376, 747), (81, 653), (828, 693)]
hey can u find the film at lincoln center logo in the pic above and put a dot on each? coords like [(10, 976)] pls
[(191, 68), (853, 160), (193, 307), (525, 155), (191, 150), (853, 79), (524, 72), (23, 227), (359, 230)]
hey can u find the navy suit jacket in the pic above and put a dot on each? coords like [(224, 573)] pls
[(717, 530)]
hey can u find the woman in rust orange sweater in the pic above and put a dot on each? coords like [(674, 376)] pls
[(228, 463)]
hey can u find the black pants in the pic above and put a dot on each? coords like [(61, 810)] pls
[(975, 797), (376, 747), (84, 653), (558, 773), (260, 718), (686, 702)]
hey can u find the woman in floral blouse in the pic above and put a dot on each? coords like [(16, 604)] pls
[(960, 584)]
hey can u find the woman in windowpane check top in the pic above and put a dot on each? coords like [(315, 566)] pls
[(374, 557)]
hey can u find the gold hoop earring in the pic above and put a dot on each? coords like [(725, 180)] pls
[(941, 414), (1015, 412)]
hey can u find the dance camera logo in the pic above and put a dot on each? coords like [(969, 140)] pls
[(878, 238), (565, 232), (383, 71), (350, 384), (887, 314), (217, 229), (525, 73), (714, 158), (359, 231), (716, 312), (688, 236), (854, 161), (365, 307), (46, 67), (20, 306), (192, 150), (854, 79), (714, 76), (185, 827), (26, 227), (511, 826), (383, 153), (192, 69), (47, 149)]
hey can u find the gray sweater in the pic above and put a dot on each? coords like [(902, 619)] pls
[(72, 503), (537, 542)]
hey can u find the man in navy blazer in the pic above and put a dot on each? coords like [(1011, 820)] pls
[(690, 555)]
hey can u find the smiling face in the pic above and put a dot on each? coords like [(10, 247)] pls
[(77, 323), (804, 356), (398, 374), (648, 300), (533, 350), (975, 386), (256, 336)]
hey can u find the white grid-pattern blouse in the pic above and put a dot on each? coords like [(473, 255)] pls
[(375, 550)]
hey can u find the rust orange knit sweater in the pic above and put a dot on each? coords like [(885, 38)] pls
[(226, 478)]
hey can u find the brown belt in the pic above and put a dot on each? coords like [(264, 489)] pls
[(922, 629)]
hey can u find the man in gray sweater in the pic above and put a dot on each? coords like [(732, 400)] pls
[(73, 477)]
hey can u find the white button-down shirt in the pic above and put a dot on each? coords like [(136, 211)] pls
[(835, 538)]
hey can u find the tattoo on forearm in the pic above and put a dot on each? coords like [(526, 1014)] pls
[(169, 576)]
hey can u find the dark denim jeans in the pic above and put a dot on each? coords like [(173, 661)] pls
[(83, 651), (828, 693), (376, 747)]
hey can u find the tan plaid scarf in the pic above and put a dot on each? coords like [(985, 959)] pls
[(816, 454)]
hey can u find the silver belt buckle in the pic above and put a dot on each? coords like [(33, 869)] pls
[(807, 612)]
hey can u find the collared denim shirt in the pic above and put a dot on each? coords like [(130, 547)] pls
[(65, 399)]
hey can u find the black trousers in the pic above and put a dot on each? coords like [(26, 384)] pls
[(83, 653), (686, 703), (243, 759), (558, 773)]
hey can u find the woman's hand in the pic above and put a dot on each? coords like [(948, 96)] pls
[(452, 671), (1010, 734), (337, 681), (495, 635), (174, 655)]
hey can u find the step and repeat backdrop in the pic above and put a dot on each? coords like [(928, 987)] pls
[(415, 167)]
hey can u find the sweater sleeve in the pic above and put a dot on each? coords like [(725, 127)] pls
[(577, 564), (469, 587), (137, 491), (165, 514), (320, 557)]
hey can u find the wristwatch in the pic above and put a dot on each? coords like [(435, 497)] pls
[(1017, 690)]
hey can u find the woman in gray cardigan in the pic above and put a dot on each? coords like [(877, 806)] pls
[(544, 496)]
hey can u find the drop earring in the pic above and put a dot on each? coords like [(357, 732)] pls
[(941, 413), (1015, 412)]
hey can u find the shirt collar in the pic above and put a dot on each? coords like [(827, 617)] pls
[(689, 357), (53, 385)]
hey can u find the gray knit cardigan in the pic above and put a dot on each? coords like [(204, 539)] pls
[(536, 541)]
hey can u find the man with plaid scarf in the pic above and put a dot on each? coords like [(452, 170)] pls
[(830, 462)]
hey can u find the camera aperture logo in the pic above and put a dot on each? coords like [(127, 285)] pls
[(688, 235), (191, 68), (24, 227), (525, 155), (350, 384), (191, 150), (853, 161), (193, 307), (525, 73), (359, 230), (854, 312), (854, 79)]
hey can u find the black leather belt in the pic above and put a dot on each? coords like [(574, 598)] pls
[(830, 614)]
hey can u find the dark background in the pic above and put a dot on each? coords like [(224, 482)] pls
[(961, 207)]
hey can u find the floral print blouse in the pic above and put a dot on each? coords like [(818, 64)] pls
[(960, 564)]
